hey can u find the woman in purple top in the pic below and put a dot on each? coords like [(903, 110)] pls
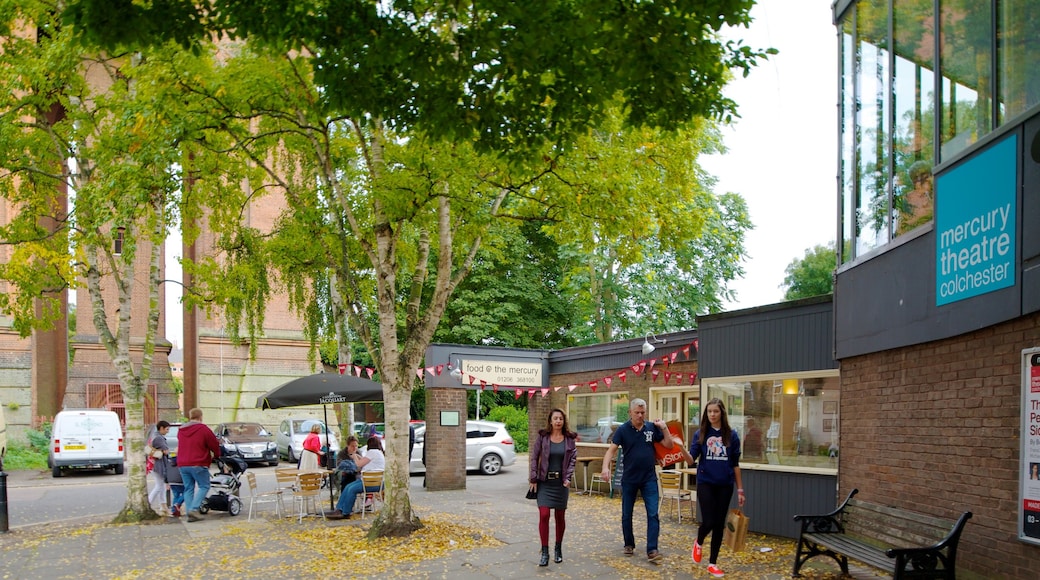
[(553, 456)]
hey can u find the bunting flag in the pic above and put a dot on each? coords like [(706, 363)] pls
[(638, 367), (530, 393), (593, 386), (440, 369), (667, 377), (555, 389), (608, 380), (418, 373), (653, 361), (693, 378), (686, 352), (483, 384), (570, 388), (654, 374), (545, 391), (494, 387), (666, 360), (674, 356), (621, 375), (516, 393), (697, 344)]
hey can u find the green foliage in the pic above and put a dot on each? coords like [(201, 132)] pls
[(32, 455), (811, 275), (21, 456), (516, 423)]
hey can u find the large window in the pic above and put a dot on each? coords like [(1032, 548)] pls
[(895, 109), (595, 417), (784, 420)]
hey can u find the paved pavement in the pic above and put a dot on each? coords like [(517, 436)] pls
[(256, 549)]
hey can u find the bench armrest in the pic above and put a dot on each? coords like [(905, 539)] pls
[(830, 523), (951, 540)]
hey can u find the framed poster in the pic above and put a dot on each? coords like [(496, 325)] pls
[(828, 425), (1029, 457)]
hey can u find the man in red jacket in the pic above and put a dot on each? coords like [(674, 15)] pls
[(197, 447)]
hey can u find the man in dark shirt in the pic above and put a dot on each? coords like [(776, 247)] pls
[(636, 438)]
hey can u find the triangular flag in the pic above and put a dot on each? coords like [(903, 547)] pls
[(653, 361), (666, 360), (637, 368), (483, 384), (654, 373), (693, 378), (686, 352), (570, 388), (440, 369), (556, 389), (371, 371), (593, 386), (418, 373), (621, 375), (516, 393), (545, 391), (531, 392), (697, 344), (608, 380), (674, 356), (667, 377)]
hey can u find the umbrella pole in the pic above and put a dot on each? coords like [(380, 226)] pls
[(328, 457)]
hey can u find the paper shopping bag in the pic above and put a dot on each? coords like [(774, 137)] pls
[(735, 534)]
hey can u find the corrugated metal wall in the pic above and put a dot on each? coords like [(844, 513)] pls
[(775, 497), (789, 337)]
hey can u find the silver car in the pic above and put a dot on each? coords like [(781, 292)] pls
[(292, 432), (489, 447)]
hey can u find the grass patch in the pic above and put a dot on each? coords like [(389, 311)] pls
[(21, 456)]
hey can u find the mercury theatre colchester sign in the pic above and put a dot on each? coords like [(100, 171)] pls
[(975, 224)]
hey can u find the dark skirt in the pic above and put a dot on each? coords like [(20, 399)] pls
[(552, 494)]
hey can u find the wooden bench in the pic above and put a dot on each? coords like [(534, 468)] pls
[(904, 543)]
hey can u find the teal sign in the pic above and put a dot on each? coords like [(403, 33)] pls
[(975, 223)]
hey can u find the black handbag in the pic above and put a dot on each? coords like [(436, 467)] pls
[(531, 494)]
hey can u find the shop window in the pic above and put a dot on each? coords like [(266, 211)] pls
[(595, 417), (786, 420)]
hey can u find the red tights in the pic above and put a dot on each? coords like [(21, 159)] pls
[(543, 525)]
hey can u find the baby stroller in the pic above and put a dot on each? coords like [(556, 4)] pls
[(224, 486)]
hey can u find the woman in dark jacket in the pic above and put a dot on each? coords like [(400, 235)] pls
[(553, 455)]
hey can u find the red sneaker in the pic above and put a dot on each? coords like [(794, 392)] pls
[(696, 554), (715, 571)]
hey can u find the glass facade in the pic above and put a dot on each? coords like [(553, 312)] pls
[(894, 108), (595, 417), (789, 420)]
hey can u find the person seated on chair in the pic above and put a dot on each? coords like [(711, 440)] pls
[(374, 460), (346, 465)]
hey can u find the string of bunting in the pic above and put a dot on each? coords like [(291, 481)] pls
[(643, 366)]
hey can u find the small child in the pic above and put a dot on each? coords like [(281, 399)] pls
[(173, 477)]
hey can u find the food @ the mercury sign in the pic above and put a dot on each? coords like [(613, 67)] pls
[(504, 373)]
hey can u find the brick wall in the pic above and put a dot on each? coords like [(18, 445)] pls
[(445, 446), (936, 428)]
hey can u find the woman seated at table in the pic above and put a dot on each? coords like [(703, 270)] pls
[(373, 460), (346, 467)]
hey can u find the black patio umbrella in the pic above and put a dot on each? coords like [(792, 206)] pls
[(322, 389)]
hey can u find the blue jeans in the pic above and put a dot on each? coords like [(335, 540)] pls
[(348, 496), (177, 491), (193, 476), (651, 499)]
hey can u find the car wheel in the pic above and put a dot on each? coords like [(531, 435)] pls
[(490, 464), (292, 458), (204, 508), (234, 506), (118, 469), (55, 471)]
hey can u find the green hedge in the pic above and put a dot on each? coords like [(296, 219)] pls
[(516, 423)]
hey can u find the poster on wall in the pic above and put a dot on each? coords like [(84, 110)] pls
[(1029, 470)]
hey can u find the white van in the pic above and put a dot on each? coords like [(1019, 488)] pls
[(86, 438)]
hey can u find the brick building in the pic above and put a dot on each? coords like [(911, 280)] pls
[(937, 298)]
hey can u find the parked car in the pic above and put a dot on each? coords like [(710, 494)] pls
[(247, 441), (171, 437), (292, 432), (489, 447), (377, 429), (86, 439)]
